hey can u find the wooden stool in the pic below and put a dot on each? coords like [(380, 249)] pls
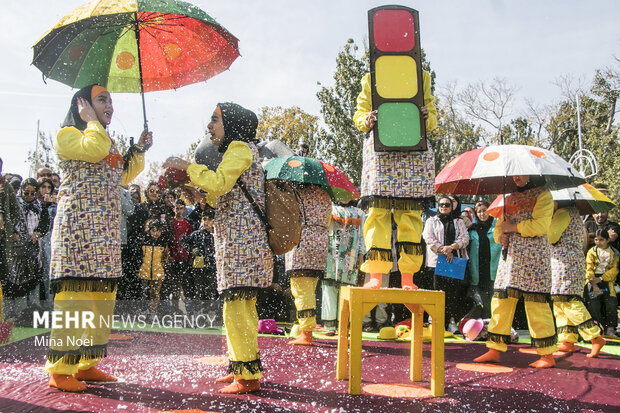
[(355, 302)]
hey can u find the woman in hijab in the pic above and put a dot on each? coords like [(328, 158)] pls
[(85, 257), (242, 253), (484, 255), (524, 271), (446, 234)]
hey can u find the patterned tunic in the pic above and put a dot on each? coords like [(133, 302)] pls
[(526, 267), (86, 240), (568, 262), (345, 244), (409, 175), (242, 252), (311, 253)]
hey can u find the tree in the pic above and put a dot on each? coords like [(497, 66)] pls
[(288, 125), (488, 103), (342, 142)]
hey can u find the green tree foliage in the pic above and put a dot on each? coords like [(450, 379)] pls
[(341, 143), (288, 125)]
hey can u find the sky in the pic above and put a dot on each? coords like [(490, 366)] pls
[(289, 47)]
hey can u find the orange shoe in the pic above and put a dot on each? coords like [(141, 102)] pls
[(229, 378), (406, 282), (303, 339), (491, 356), (375, 281), (92, 374), (241, 387), (544, 362), (567, 347), (66, 382), (597, 344)]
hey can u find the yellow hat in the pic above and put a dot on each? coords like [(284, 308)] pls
[(387, 333)]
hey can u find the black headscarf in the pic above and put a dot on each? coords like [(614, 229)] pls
[(239, 124), (449, 230), (73, 116), (456, 211), (534, 182)]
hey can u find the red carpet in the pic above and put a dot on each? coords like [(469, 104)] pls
[(300, 379)]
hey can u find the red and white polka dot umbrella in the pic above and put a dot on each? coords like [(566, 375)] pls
[(484, 170)]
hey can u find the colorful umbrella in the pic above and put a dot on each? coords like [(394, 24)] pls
[(135, 46), (587, 199), (484, 170), (313, 171)]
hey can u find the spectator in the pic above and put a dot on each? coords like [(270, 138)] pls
[(44, 172), (201, 247), (56, 181), (302, 150), (155, 254), (136, 193), (484, 254), (601, 273), (129, 286), (9, 217), (601, 221), (446, 234), (49, 202), (177, 283)]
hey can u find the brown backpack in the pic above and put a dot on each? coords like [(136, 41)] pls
[(283, 217)]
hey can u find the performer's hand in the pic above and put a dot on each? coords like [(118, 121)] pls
[(192, 193), (508, 226), (146, 139), (371, 119), (276, 287), (86, 111), (176, 162), (503, 240), (424, 112)]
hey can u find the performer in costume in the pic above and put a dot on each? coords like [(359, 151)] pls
[(567, 236), (86, 244), (400, 181), (305, 263), (345, 251), (242, 253), (525, 271)]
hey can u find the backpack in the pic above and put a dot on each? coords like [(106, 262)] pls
[(283, 215)]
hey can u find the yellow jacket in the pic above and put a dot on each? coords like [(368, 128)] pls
[(154, 258), (559, 223), (364, 103), (236, 160), (611, 271), (94, 146)]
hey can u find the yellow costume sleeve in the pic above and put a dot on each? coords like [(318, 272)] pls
[(538, 225), (236, 160), (136, 165), (497, 231), (559, 223), (591, 263), (91, 146), (612, 272), (364, 103)]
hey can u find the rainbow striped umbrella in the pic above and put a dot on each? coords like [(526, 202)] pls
[(135, 46)]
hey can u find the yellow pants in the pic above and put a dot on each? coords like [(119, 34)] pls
[(303, 289), (572, 318), (241, 321), (378, 237), (102, 305), (539, 320)]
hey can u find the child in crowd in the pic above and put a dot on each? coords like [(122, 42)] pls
[(155, 253), (201, 246), (177, 282), (601, 273)]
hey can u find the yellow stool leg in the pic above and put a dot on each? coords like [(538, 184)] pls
[(415, 363), (355, 353), (437, 311), (343, 335)]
